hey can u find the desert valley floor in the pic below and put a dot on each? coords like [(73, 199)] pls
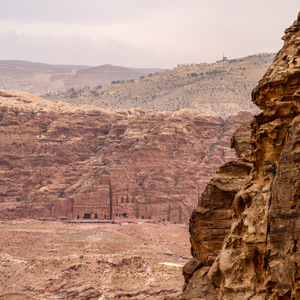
[(56, 260)]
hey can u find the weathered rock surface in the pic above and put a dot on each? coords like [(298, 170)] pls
[(259, 258), (57, 160), (211, 220)]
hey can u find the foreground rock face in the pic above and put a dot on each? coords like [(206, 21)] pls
[(259, 258), (211, 220), (57, 160)]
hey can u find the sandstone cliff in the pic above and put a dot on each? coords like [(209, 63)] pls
[(211, 220), (57, 160), (259, 258)]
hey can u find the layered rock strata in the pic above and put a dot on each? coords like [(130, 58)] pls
[(260, 257), (57, 160)]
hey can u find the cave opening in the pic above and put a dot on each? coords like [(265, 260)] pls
[(87, 216)]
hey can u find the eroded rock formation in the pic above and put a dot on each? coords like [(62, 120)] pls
[(211, 220), (58, 160), (259, 258)]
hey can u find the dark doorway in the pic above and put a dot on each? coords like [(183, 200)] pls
[(87, 216), (142, 217), (104, 216), (77, 216), (96, 216)]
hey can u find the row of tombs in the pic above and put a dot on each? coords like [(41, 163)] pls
[(102, 204)]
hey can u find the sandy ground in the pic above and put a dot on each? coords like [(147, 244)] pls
[(55, 260)]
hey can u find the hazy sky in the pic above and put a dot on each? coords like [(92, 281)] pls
[(141, 33)]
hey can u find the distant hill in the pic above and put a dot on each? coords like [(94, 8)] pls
[(100, 75), (220, 88), (40, 78)]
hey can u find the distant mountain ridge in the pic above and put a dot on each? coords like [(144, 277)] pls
[(38, 78), (31, 63)]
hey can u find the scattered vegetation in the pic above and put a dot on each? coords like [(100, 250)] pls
[(204, 87), (62, 195)]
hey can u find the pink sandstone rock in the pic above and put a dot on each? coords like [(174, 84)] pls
[(58, 160)]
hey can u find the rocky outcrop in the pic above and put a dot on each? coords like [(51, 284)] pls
[(211, 220), (259, 258), (58, 160)]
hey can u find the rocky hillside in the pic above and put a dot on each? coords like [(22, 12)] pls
[(259, 257), (58, 160), (221, 88)]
